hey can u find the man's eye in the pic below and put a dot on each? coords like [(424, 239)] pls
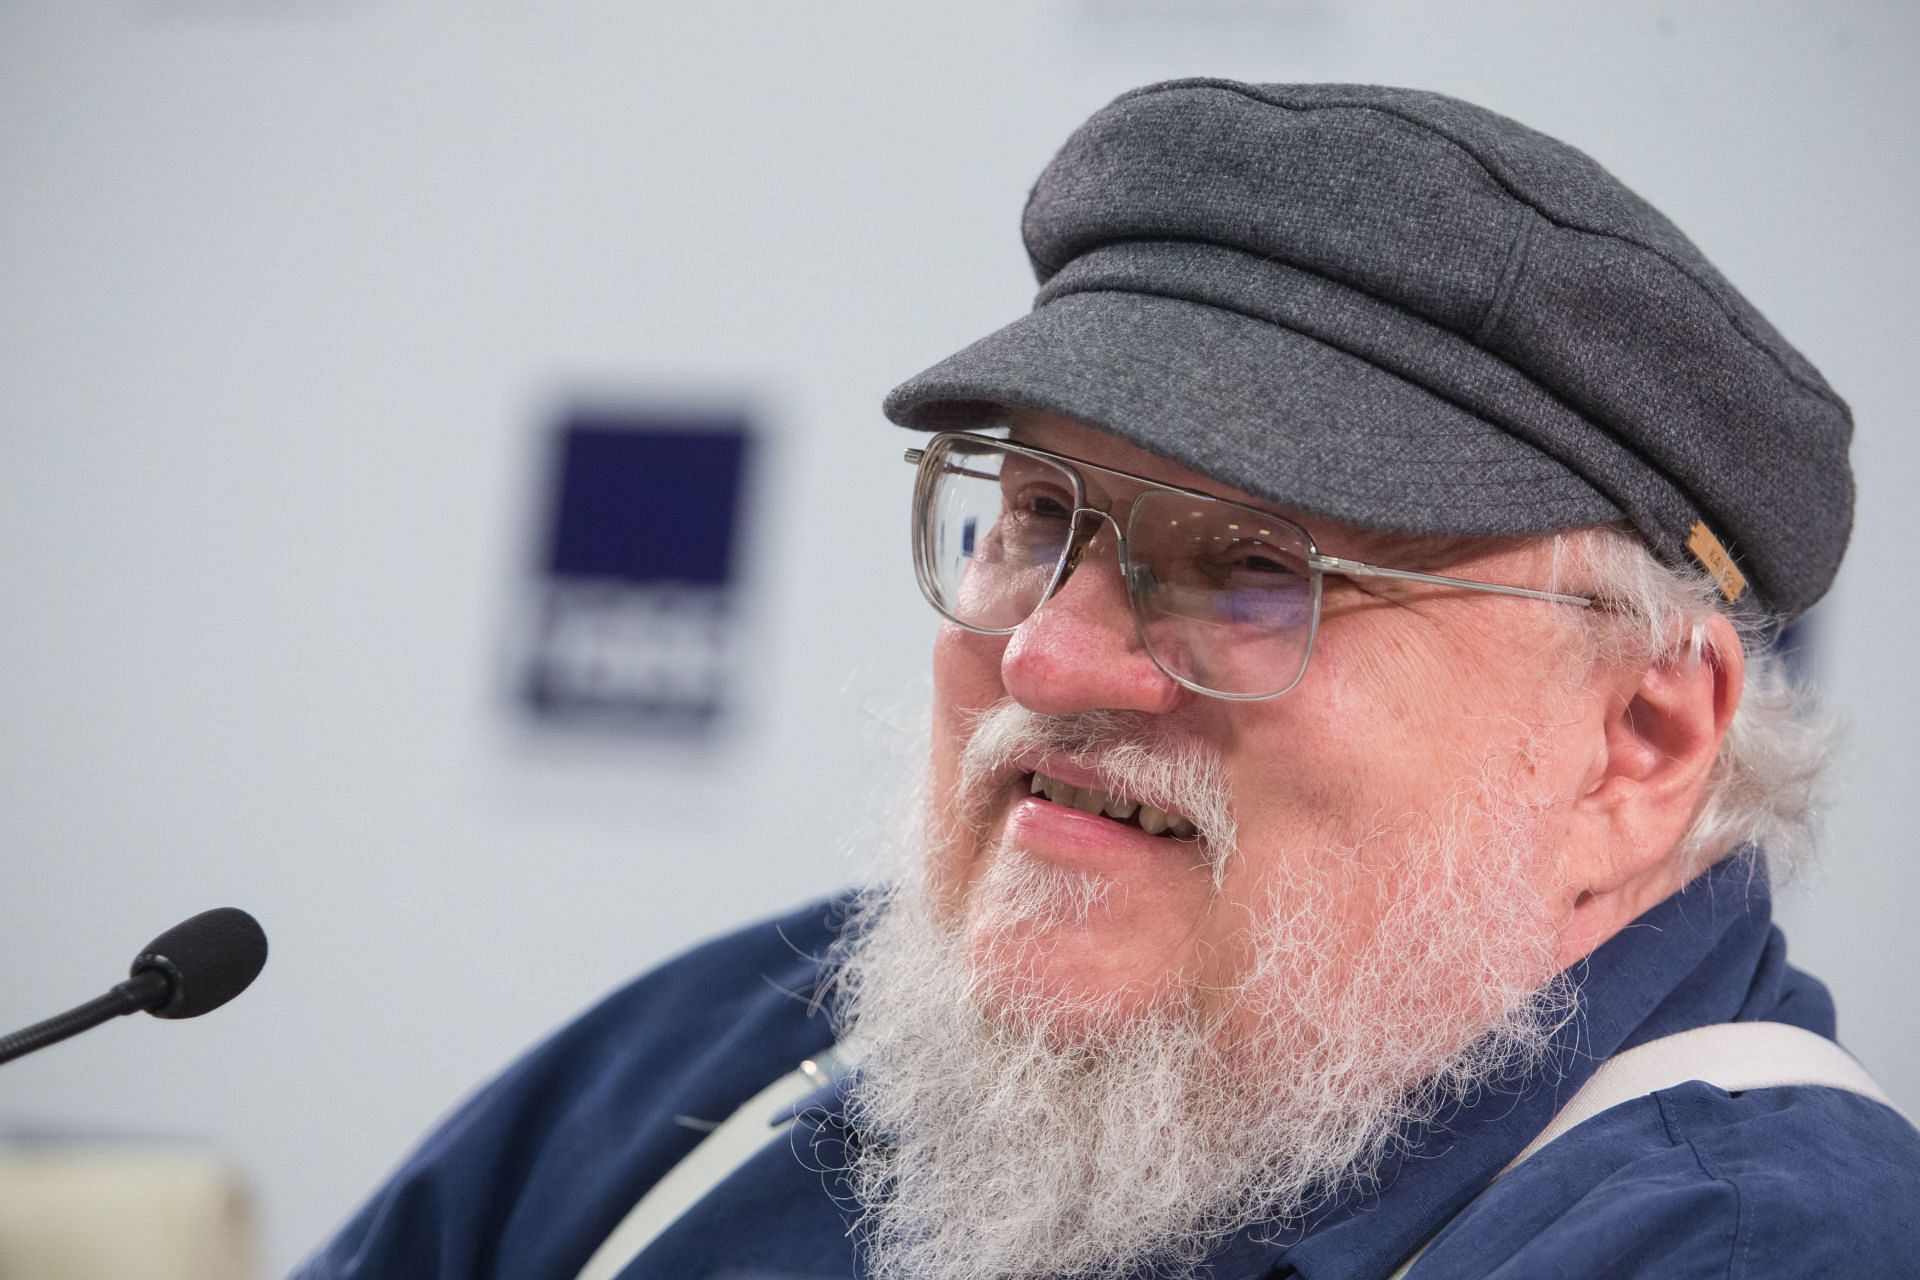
[(1262, 561), (1042, 504)]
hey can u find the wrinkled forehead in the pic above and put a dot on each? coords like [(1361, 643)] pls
[(1078, 440)]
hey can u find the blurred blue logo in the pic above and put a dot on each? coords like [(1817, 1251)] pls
[(636, 618)]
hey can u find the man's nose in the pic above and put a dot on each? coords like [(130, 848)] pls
[(1081, 649)]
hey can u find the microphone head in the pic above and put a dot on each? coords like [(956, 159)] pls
[(208, 960)]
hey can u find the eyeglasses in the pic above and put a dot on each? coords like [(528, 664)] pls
[(1226, 596)]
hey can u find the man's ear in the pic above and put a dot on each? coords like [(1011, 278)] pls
[(1660, 737)]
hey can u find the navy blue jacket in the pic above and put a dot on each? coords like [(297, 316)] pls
[(527, 1179)]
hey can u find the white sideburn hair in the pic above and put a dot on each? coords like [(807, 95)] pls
[(1767, 784)]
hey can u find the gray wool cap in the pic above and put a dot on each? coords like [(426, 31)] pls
[(1402, 311)]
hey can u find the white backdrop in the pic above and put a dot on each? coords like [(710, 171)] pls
[(289, 288)]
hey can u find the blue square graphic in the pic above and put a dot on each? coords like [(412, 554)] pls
[(644, 502), (635, 622)]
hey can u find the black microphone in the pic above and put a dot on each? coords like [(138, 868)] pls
[(191, 969)]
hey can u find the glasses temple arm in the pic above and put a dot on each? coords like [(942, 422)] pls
[(1359, 569)]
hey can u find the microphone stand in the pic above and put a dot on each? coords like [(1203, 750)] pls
[(144, 991)]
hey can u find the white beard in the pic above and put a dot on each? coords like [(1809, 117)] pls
[(1010, 1137)]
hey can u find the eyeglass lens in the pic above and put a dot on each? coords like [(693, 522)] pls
[(1223, 596)]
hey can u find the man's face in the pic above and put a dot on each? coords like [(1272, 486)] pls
[(1418, 701)]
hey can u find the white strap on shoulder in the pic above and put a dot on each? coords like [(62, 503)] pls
[(752, 1126), (1734, 1056)]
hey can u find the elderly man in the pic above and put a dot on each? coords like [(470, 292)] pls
[(1357, 760)]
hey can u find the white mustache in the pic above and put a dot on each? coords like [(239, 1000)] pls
[(1130, 755)]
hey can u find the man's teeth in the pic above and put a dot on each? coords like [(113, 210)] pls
[(1093, 800)]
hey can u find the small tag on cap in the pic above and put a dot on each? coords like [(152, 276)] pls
[(1713, 557)]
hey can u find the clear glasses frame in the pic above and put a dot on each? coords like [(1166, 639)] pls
[(1085, 517)]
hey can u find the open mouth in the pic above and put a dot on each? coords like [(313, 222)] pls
[(1153, 821)]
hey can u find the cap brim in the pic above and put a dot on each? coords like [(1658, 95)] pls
[(1259, 407)]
